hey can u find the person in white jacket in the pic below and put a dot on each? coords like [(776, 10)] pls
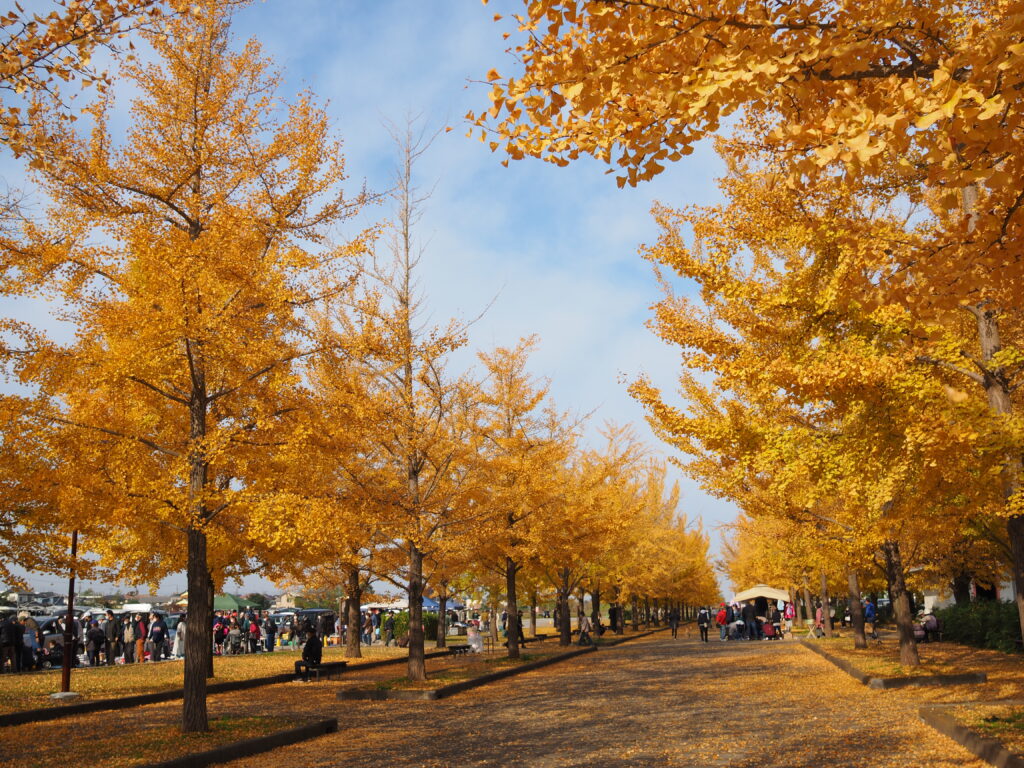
[(178, 648)]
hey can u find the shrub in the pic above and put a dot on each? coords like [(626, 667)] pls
[(983, 624), (429, 624)]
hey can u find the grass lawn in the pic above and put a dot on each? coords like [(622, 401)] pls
[(143, 744), (883, 660), (1002, 722), (31, 690)]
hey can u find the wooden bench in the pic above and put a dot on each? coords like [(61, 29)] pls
[(327, 670)]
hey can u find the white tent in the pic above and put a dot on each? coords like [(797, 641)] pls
[(762, 590)]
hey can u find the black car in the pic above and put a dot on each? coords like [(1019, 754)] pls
[(48, 628)]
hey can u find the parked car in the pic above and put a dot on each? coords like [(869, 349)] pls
[(48, 628)]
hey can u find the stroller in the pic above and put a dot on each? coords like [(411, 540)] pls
[(736, 630)]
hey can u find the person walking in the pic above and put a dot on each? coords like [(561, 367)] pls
[(585, 629), (389, 629), (673, 623), (703, 622), (789, 613), (870, 618)]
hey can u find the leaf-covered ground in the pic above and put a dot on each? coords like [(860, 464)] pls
[(652, 702), (1003, 722), (32, 690)]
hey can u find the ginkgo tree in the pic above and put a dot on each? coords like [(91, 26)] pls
[(818, 406), (184, 255), (923, 100)]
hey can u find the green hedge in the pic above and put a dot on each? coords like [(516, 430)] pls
[(429, 623), (984, 624)]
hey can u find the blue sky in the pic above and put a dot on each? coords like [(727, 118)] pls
[(557, 247)]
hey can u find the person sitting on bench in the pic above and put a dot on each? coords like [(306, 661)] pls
[(312, 654)]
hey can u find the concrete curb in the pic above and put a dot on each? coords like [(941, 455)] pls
[(250, 747), (464, 685), (888, 683), (987, 749)]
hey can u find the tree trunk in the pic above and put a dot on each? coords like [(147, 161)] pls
[(997, 385), (962, 588), (562, 596), (354, 618), (494, 622), (512, 608), (442, 619), (901, 602), (198, 647), (595, 607), (620, 618), (860, 640), (654, 612), (647, 612), (826, 618), (533, 613), (417, 669), (635, 605), (808, 605)]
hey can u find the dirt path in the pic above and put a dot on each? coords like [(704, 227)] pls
[(652, 702)]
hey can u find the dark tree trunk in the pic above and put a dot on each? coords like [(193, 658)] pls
[(654, 612), (647, 612), (595, 607), (512, 608), (808, 605), (198, 647), (962, 588), (635, 605), (442, 611), (860, 639), (417, 669), (564, 627), (494, 621), (826, 618), (354, 618), (533, 613), (901, 602)]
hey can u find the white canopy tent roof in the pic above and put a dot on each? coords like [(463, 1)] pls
[(761, 590)]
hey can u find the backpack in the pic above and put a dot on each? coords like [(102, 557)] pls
[(702, 617)]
